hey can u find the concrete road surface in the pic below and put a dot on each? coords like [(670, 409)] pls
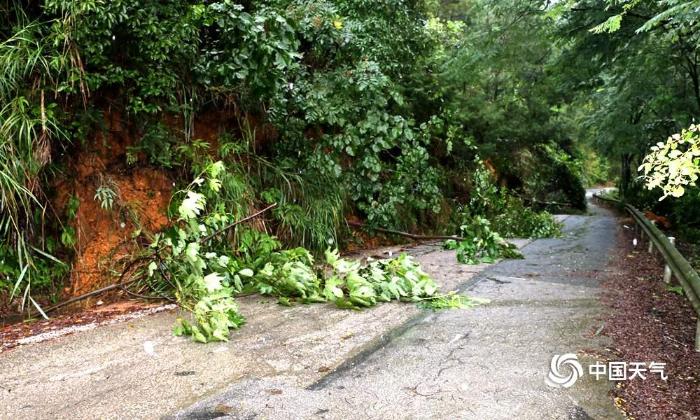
[(393, 361)]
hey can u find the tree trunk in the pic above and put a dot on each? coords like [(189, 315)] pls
[(625, 173)]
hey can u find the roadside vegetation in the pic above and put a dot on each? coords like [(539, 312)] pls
[(633, 76), (196, 151)]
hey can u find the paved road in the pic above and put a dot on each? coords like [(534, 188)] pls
[(489, 362), (136, 368), (316, 361)]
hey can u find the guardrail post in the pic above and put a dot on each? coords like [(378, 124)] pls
[(667, 270), (651, 245)]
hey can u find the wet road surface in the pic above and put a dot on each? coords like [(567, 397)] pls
[(488, 362)]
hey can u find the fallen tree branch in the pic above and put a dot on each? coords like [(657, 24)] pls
[(238, 222), (122, 285), (546, 203), (118, 285), (85, 296), (406, 234)]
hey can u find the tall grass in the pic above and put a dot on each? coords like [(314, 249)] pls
[(309, 209), (30, 68)]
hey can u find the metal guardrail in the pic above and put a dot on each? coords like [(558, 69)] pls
[(676, 264)]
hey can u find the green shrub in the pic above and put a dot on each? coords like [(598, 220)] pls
[(506, 214), (518, 221), (481, 244)]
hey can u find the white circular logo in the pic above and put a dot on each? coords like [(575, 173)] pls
[(564, 371)]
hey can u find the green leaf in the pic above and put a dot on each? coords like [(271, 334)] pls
[(152, 267), (612, 24), (212, 282), (191, 206)]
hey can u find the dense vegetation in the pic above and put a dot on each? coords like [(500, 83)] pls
[(631, 68), (447, 117)]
